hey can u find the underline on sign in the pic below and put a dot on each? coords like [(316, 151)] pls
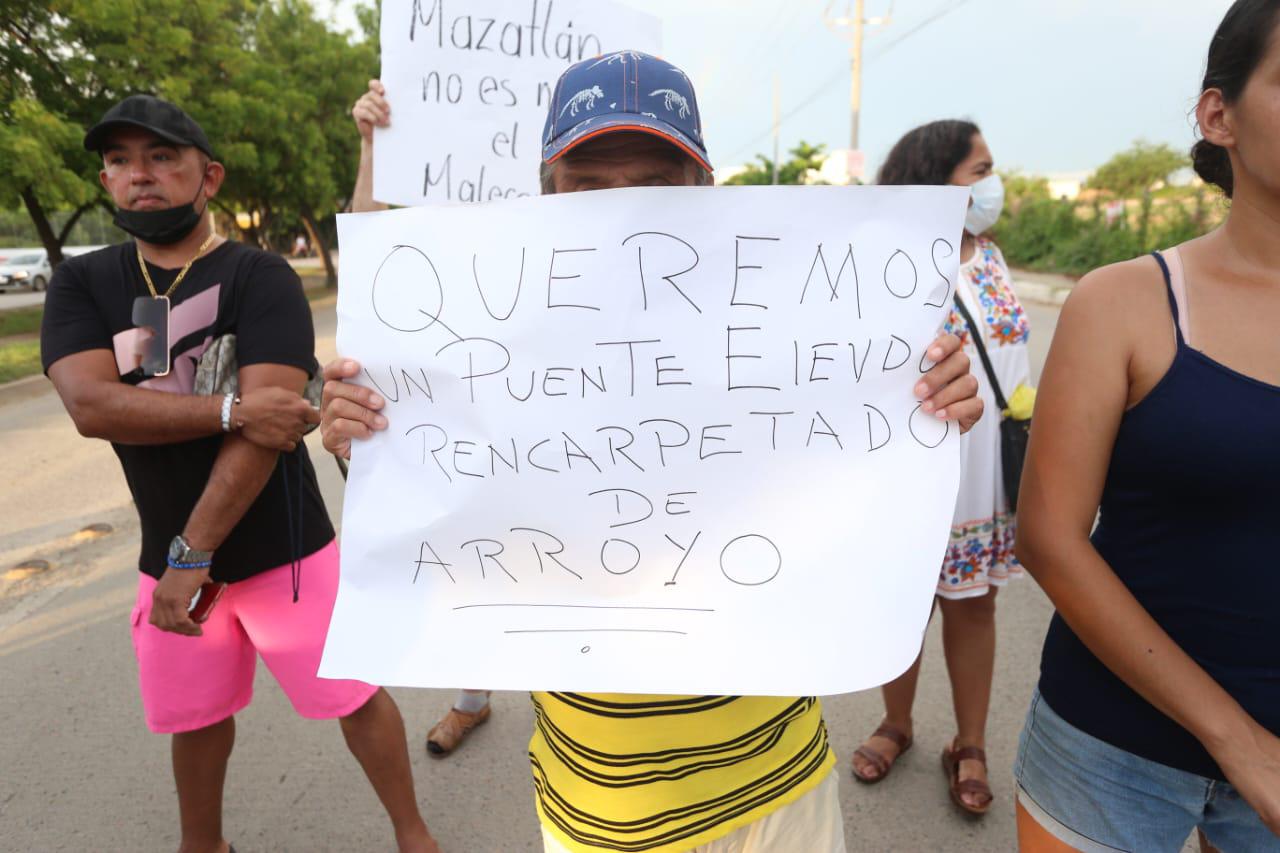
[(594, 631), (594, 607)]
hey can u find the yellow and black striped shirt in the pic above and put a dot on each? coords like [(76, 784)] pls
[(667, 773)]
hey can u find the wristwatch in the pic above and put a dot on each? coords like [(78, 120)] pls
[(183, 556)]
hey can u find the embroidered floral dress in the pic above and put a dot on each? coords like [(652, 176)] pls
[(980, 553)]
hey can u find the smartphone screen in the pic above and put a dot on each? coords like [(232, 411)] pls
[(151, 343)]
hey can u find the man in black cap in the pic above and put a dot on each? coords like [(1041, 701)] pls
[(230, 510)]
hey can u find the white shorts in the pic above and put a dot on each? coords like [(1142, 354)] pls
[(811, 824)]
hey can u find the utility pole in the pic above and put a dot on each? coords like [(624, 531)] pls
[(852, 25)]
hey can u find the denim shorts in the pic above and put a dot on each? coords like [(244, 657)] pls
[(1097, 797)]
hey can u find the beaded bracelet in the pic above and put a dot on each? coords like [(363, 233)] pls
[(203, 565)]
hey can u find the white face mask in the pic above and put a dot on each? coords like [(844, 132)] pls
[(988, 202)]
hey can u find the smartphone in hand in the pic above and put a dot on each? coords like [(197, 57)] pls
[(203, 601)]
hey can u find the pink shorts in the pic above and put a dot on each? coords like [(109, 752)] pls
[(192, 682)]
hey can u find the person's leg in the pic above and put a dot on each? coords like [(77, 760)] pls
[(1034, 838), (375, 735), (471, 701), (899, 698), (197, 712), (290, 638), (470, 709), (200, 770), (1094, 797), (969, 640)]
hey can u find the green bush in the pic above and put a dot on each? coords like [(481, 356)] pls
[(1187, 224), (1053, 235), (1097, 244), (1031, 233)]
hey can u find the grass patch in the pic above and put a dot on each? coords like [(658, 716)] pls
[(18, 360), (21, 321)]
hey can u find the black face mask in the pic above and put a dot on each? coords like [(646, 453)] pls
[(160, 227)]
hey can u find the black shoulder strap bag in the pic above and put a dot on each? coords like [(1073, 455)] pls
[(1014, 434)]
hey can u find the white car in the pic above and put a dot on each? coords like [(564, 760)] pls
[(24, 268)]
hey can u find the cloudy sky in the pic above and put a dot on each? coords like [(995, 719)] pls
[(1057, 85)]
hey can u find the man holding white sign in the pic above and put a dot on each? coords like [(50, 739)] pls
[(625, 771)]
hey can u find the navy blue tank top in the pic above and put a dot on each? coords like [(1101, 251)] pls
[(1190, 523)]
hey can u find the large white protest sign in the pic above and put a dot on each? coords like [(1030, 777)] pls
[(647, 440), (469, 85)]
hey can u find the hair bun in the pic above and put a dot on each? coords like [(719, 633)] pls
[(1213, 164)]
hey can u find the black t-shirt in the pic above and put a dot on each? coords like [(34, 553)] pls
[(233, 289)]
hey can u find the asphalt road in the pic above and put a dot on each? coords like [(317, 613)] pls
[(81, 772), (20, 298)]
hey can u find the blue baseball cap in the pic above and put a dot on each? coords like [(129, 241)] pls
[(624, 91)]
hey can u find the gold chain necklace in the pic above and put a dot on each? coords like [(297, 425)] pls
[(147, 275)]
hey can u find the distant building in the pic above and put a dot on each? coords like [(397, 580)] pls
[(725, 173), (1066, 185), (841, 167), (1185, 178)]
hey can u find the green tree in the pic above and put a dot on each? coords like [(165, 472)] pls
[(804, 157), (44, 169), (1137, 170), (1020, 189), (294, 103), (269, 82), (63, 62)]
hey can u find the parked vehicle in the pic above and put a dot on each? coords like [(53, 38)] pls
[(28, 269)]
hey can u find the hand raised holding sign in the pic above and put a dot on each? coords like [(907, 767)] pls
[(372, 110)]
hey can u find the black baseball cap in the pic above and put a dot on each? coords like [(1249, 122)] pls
[(148, 112)]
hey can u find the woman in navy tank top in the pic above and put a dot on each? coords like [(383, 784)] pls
[(1158, 708)]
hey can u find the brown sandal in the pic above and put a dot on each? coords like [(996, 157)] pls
[(951, 759), (881, 764)]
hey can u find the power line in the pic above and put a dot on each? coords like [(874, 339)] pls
[(781, 45), (768, 33), (813, 96), (937, 16), (843, 72), (771, 29)]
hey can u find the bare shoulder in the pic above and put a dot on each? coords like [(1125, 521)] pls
[(1119, 315), (1133, 283), (1125, 299)]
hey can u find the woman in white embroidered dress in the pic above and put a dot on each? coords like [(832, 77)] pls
[(980, 556)]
